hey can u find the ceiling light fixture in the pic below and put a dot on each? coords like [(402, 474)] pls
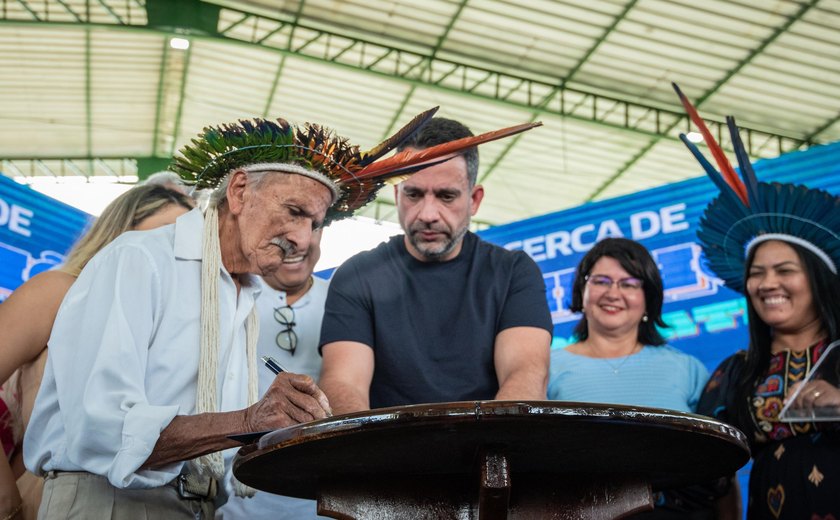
[(181, 44), (695, 137)]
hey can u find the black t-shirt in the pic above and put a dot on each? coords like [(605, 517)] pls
[(432, 325)]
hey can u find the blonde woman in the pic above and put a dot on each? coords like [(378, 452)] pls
[(26, 319)]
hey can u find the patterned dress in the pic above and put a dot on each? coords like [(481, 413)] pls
[(796, 468)]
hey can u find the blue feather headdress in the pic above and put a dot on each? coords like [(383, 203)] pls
[(748, 212)]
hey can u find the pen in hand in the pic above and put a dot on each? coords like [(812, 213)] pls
[(273, 365), (276, 367)]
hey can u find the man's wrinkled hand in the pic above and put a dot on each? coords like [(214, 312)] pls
[(291, 399)]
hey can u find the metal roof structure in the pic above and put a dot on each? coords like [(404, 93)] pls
[(95, 87)]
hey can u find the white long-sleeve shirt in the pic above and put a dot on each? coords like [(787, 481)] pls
[(124, 354)]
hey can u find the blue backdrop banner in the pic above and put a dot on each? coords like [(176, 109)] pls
[(706, 319), (36, 232)]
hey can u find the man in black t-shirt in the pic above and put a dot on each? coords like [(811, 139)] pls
[(436, 314)]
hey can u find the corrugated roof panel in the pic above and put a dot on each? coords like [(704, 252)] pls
[(420, 23), (769, 13), (777, 115), (219, 90), (124, 72), (537, 40), (683, 26), (788, 73), (556, 172), (42, 91), (667, 162), (781, 102), (637, 49), (341, 99)]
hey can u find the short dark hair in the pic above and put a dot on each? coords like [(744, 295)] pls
[(440, 130), (636, 260)]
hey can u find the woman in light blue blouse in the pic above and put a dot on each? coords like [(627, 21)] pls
[(621, 358)]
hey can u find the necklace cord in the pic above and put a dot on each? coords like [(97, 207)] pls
[(615, 368)]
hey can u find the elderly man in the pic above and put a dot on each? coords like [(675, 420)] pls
[(123, 382), (436, 314), (153, 354)]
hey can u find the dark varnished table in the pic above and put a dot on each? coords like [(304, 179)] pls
[(491, 460)]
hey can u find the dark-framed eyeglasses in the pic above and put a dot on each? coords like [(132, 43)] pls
[(286, 339), (605, 283)]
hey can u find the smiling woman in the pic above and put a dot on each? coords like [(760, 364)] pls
[(621, 358), (780, 293), (789, 234), (793, 316)]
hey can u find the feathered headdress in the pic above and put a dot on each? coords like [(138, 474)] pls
[(748, 212), (353, 176)]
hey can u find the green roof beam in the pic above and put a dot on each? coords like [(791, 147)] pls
[(70, 10), (28, 9), (113, 13)]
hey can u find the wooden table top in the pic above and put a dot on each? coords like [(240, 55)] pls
[(554, 438)]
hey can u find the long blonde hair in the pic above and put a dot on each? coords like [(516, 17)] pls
[(121, 215)]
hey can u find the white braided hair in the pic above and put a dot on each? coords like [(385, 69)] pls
[(206, 399)]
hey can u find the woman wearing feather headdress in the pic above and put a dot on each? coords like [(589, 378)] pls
[(779, 244)]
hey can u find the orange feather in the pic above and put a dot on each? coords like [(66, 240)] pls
[(726, 169), (407, 161)]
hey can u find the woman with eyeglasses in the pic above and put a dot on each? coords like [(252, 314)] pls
[(621, 358)]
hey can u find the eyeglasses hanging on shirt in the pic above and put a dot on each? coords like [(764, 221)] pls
[(286, 339)]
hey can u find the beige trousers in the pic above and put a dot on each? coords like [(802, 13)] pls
[(85, 496)]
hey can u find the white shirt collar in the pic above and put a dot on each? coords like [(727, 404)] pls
[(189, 229)]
